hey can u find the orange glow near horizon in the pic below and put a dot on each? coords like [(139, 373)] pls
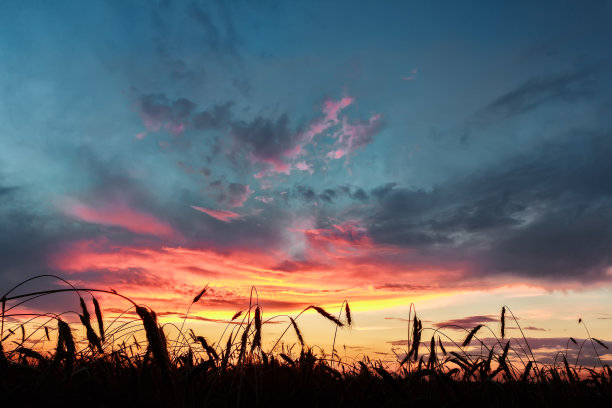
[(334, 264), (173, 274)]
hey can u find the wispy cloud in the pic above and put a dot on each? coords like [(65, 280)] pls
[(354, 136), (221, 215), (567, 87)]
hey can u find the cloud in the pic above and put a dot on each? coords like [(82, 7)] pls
[(541, 215), (349, 233), (303, 166), (266, 140), (275, 144), (331, 109), (568, 87), (328, 195), (157, 112), (308, 194), (403, 287), (7, 190), (218, 117), (175, 116), (356, 194), (238, 194), (354, 136), (219, 34), (272, 143), (468, 322), (117, 214), (232, 194), (296, 266), (532, 328), (221, 215)]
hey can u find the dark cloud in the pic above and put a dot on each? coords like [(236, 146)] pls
[(296, 266), (403, 287), (328, 195), (238, 194), (158, 112), (545, 214), (358, 194), (567, 87), (468, 322), (230, 194), (306, 193), (216, 118), (531, 328), (571, 242), (26, 241), (7, 190), (266, 140), (402, 217)]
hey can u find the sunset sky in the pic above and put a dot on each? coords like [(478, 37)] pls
[(453, 154)]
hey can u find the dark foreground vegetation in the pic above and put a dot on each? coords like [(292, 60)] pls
[(134, 362)]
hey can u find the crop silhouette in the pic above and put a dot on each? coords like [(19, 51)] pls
[(132, 361)]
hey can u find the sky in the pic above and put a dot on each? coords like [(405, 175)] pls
[(454, 155)]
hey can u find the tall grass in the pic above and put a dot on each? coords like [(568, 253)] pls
[(111, 367)]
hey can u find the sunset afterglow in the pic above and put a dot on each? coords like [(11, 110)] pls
[(309, 154)]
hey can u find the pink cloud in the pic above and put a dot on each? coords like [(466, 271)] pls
[(303, 166), (331, 109), (274, 165), (352, 137), (175, 128), (283, 162), (265, 199), (152, 123), (221, 215), (117, 214)]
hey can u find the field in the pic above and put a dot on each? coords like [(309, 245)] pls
[(131, 361)]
